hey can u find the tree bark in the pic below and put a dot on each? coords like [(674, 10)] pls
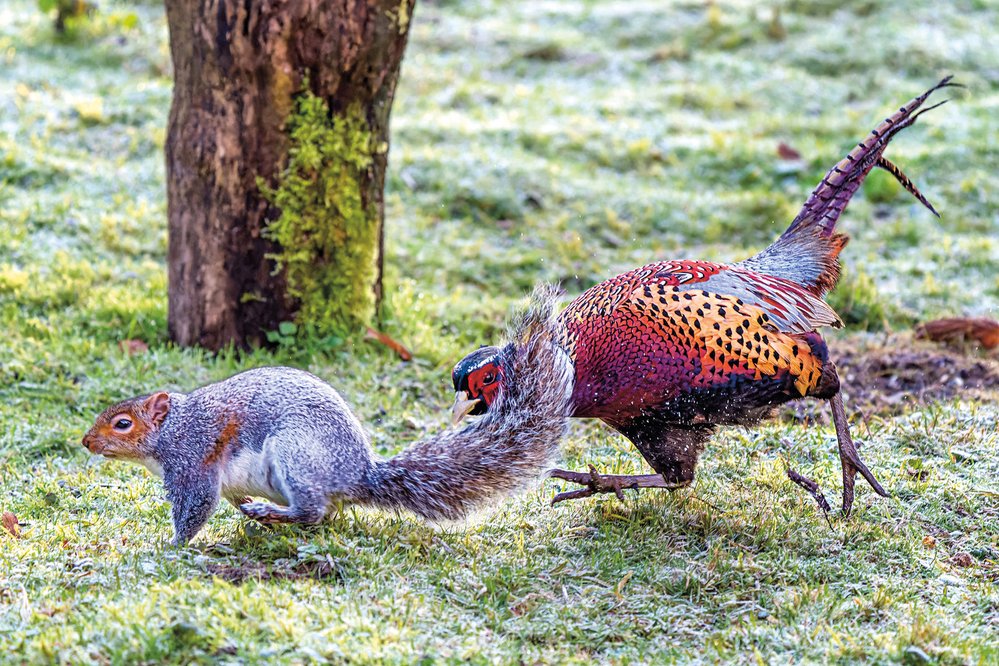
[(238, 66)]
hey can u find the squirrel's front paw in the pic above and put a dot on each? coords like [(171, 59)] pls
[(263, 512)]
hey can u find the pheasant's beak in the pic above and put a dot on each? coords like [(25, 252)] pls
[(462, 406)]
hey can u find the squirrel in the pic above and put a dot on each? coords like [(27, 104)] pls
[(286, 436)]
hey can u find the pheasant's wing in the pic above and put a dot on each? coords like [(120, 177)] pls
[(790, 307), (726, 334)]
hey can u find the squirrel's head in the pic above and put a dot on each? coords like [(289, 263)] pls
[(476, 382), (128, 429)]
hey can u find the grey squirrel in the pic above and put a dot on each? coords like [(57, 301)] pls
[(287, 436)]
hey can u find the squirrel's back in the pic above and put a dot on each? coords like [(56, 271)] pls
[(262, 400)]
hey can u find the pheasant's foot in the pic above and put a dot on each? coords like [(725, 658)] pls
[(812, 488), (608, 483), (809, 485), (848, 456)]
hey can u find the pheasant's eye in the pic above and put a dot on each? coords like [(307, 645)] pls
[(122, 423), (489, 378)]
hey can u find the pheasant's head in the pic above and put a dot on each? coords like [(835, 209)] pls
[(476, 381)]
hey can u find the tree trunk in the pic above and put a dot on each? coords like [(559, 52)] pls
[(238, 69)]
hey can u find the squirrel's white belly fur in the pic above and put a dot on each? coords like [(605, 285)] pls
[(250, 473), (153, 466)]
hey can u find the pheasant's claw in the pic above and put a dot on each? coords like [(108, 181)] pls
[(813, 489), (582, 478), (571, 495), (810, 486), (596, 482)]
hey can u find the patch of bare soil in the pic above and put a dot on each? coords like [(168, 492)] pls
[(239, 572), (898, 373)]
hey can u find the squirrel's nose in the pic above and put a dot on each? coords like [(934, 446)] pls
[(88, 443)]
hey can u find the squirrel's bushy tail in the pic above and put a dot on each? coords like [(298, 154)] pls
[(446, 476), (808, 251)]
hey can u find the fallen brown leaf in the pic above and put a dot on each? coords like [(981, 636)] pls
[(962, 560), (9, 522), (133, 347), (786, 152), (984, 331), (397, 347), (621, 584)]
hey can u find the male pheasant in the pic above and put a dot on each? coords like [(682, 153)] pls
[(667, 352)]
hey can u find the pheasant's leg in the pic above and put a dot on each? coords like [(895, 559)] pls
[(809, 485), (849, 457), (608, 483)]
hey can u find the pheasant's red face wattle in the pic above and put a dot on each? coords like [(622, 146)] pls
[(483, 384), (476, 382)]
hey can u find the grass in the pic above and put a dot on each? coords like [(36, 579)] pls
[(562, 141)]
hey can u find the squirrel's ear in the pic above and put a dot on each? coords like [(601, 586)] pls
[(158, 406)]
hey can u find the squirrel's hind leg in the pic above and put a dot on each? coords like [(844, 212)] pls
[(237, 502), (298, 464), (267, 513)]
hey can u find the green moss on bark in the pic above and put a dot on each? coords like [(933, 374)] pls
[(327, 232)]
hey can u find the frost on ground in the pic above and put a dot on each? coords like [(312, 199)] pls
[(561, 141)]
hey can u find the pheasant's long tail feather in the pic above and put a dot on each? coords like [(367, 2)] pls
[(808, 251), (833, 193), (904, 181)]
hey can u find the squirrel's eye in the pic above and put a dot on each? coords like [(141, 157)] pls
[(122, 424)]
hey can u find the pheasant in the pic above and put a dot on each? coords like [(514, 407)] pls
[(666, 353)]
